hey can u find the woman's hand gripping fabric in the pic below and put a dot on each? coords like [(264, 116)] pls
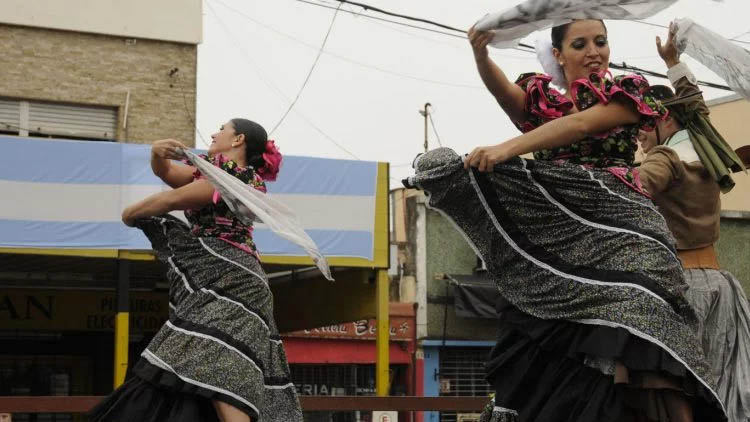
[(485, 158)]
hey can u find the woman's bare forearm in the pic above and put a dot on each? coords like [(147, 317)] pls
[(509, 95), (160, 166), (151, 206), (191, 196), (573, 128), (554, 134)]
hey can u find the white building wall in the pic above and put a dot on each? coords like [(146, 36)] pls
[(166, 20)]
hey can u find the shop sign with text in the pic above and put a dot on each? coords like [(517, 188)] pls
[(70, 310), (401, 328)]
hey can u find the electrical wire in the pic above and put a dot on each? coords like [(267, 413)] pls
[(526, 48), (384, 20), (651, 24), (434, 129), (377, 21), (270, 85), (327, 136), (463, 32), (254, 66), (624, 66), (398, 15), (667, 27), (187, 111), (521, 46), (309, 74), (346, 59)]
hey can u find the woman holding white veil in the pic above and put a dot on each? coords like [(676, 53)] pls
[(596, 327)]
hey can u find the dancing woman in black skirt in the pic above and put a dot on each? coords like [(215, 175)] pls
[(219, 357), (596, 327)]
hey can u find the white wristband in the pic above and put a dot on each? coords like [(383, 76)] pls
[(679, 71)]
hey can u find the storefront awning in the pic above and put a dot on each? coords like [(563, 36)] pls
[(475, 296)]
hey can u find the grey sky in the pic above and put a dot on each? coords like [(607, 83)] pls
[(366, 91)]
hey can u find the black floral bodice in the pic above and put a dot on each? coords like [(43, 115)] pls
[(613, 148), (216, 219)]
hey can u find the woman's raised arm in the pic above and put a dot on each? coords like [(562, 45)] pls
[(173, 174), (509, 95)]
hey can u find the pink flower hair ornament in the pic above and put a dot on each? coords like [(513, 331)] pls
[(272, 159)]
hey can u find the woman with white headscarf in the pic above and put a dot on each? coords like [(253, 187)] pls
[(595, 326)]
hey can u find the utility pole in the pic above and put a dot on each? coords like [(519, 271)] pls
[(426, 114)]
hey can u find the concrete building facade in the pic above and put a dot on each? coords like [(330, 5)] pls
[(107, 71), (126, 71)]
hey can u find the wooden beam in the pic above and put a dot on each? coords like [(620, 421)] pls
[(82, 404)]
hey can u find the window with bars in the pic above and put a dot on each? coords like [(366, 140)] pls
[(334, 380), (69, 121), (462, 374)]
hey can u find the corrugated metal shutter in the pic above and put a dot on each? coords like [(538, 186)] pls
[(462, 374), (73, 120), (9, 115)]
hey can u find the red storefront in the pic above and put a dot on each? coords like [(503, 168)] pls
[(340, 359)]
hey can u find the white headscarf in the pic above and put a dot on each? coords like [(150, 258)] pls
[(549, 63)]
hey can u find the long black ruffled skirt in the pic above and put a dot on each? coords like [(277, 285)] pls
[(597, 327), (220, 342)]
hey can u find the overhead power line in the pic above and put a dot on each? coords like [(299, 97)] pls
[(307, 79), (271, 86), (434, 129), (430, 22), (190, 115), (624, 66), (521, 46), (344, 58), (384, 20), (398, 15), (735, 39)]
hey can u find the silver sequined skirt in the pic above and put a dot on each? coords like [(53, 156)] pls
[(589, 270), (220, 342)]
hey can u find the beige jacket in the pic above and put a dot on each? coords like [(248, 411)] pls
[(685, 193), (687, 197)]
